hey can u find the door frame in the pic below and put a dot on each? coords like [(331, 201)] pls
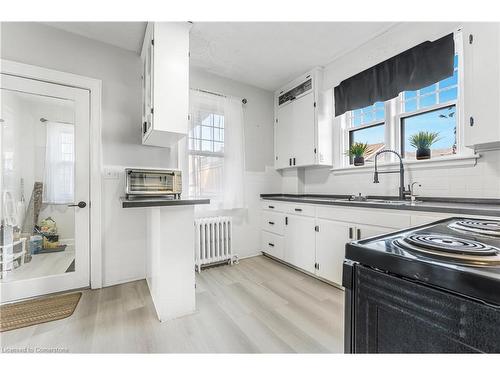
[(94, 86)]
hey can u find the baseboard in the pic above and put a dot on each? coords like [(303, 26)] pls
[(124, 281), (304, 272)]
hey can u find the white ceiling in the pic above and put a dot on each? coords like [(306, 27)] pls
[(269, 54), (263, 54)]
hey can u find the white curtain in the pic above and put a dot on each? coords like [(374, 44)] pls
[(216, 167), (58, 184), (234, 155)]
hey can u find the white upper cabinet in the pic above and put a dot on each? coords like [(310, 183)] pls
[(482, 85), (165, 58), (303, 123)]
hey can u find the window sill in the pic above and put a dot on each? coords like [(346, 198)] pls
[(436, 163)]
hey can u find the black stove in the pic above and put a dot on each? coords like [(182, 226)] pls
[(434, 270)]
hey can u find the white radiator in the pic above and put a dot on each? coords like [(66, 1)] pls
[(213, 241)]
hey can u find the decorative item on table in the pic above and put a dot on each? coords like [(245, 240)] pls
[(36, 244), (422, 141), (48, 229), (357, 151)]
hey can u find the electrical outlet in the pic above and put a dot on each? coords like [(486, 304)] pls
[(111, 174)]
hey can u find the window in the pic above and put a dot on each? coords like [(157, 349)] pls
[(367, 125), (390, 125), (206, 154), (431, 109)]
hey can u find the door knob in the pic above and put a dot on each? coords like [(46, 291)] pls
[(80, 204)]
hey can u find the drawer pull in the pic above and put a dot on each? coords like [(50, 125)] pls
[(272, 207), (271, 222), (350, 233), (271, 244), (298, 209), (358, 234)]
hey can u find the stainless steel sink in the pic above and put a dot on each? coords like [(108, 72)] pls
[(377, 201)]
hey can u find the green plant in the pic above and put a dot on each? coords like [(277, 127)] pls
[(424, 139), (357, 149)]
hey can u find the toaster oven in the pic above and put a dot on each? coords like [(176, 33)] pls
[(142, 183)]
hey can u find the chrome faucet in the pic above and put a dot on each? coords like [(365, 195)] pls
[(402, 191)]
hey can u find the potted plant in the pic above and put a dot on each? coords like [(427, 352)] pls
[(357, 151), (422, 141)]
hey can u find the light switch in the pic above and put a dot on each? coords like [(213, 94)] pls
[(111, 174)]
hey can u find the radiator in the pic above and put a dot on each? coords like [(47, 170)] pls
[(213, 241)]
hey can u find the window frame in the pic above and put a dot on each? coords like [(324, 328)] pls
[(212, 154), (394, 114)]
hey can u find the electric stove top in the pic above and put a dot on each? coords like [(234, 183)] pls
[(458, 254)]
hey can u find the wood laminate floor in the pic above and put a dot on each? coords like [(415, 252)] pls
[(256, 306)]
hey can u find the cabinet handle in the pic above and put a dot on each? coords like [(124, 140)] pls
[(298, 209), (272, 207), (271, 222), (286, 220), (358, 233), (290, 161), (293, 161), (271, 244), (471, 121), (350, 233)]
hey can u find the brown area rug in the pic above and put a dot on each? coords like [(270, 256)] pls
[(36, 311)]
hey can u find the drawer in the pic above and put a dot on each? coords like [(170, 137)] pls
[(369, 216), (300, 209), (272, 244), (273, 205), (273, 222)]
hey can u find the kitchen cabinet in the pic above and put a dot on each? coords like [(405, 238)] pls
[(481, 85), (299, 247), (303, 123), (313, 237), (165, 83), (331, 237)]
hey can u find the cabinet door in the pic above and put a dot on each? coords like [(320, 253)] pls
[(330, 248), (300, 242), (302, 142), (482, 84), (282, 136), (365, 231)]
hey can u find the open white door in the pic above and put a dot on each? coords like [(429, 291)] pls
[(44, 186)]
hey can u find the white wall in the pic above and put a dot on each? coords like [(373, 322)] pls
[(259, 177), (120, 71), (481, 181)]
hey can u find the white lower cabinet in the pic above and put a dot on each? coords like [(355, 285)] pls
[(313, 238), (365, 231), (331, 238), (300, 242), (272, 244)]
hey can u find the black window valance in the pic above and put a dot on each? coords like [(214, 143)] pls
[(413, 69)]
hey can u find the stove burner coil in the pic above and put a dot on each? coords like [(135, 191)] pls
[(449, 244), (484, 227)]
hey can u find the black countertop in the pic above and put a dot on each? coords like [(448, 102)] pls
[(464, 206), (160, 202)]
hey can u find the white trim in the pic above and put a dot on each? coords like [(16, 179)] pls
[(95, 88), (437, 162)]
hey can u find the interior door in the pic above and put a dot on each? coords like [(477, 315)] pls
[(300, 242), (44, 147), (303, 130), (330, 248)]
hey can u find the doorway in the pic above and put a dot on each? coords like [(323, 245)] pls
[(45, 188)]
